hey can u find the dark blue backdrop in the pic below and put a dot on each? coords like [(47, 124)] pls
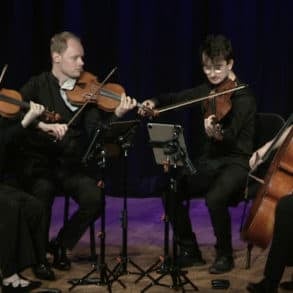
[(154, 43)]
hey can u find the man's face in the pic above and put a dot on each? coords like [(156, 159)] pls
[(216, 70), (70, 61)]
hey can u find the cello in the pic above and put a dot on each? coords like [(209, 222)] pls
[(278, 182)]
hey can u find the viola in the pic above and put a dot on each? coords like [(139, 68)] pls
[(11, 103), (106, 96)]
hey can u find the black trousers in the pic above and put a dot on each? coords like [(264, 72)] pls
[(83, 189), (220, 186), (22, 229), (281, 253)]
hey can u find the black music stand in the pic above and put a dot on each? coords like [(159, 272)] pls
[(125, 143), (168, 145), (106, 142)]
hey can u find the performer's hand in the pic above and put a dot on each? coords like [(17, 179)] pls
[(57, 130), (147, 104), (166, 165), (255, 160), (213, 129), (125, 105), (209, 125), (35, 111)]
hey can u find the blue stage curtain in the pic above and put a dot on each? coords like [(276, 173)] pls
[(154, 44)]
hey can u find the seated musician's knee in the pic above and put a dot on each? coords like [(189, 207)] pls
[(44, 190), (92, 203), (215, 202)]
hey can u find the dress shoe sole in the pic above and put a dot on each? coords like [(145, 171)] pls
[(215, 271), (61, 268), (192, 264)]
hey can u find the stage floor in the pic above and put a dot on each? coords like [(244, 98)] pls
[(145, 245)]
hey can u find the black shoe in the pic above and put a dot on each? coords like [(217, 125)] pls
[(287, 285), (43, 272), (61, 261), (165, 266), (48, 290), (222, 264), (189, 259), (31, 286), (264, 286)]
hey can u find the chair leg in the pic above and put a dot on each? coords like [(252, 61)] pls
[(93, 253), (93, 242), (248, 255), (66, 209)]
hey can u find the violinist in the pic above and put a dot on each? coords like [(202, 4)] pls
[(52, 168), (22, 226), (222, 160), (280, 254)]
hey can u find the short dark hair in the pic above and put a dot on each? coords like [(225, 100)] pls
[(217, 46)]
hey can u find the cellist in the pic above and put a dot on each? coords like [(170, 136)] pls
[(280, 254)]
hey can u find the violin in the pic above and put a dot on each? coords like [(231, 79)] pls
[(220, 105), (11, 103), (106, 96)]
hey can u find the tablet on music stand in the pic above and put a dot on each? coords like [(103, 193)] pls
[(167, 141)]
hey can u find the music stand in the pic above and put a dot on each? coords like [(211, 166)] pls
[(125, 143), (168, 145), (106, 142)]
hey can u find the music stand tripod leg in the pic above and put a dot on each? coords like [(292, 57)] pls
[(123, 260), (170, 267), (175, 153), (100, 266), (163, 261)]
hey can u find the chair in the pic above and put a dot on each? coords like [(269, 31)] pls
[(267, 125)]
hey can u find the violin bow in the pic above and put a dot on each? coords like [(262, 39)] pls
[(277, 137), (269, 150), (3, 72), (196, 100)]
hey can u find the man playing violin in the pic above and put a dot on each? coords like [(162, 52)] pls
[(21, 215), (55, 168), (221, 163)]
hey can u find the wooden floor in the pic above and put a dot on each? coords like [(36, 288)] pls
[(145, 245), (144, 256)]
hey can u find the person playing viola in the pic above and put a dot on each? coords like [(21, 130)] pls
[(55, 168), (222, 161), (280, 254), (22, 226)]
